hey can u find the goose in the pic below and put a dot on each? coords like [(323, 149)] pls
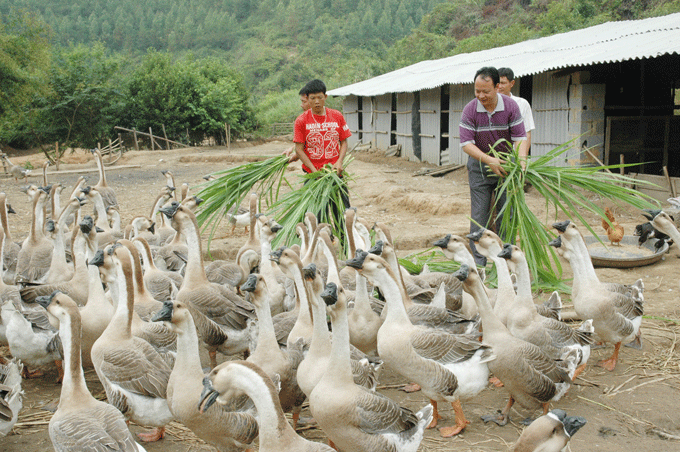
[(353, 417), (167, 254), (269, 356), (170, 183), (157, 334), (76, 288), (364, 322), (663, 222), (95, 197), (549, 433), (33, 260), (17, 171), (82, 422), (616, 316), (253, 242), (240, 217), (145, 304), (446, 366), (215, 301), (108, 194), (9, 293), (133, 374), (232, 378), (146, 228), (291, 265), (312, 368), (272, 276), (60, 270), (11, 394), (55, 199), (224, 429), (524, 321), (11, 248), (159, 283), (164, 230), (530, 376), (490, 245), (230, 273)]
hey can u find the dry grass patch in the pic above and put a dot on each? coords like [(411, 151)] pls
[(229, 158)]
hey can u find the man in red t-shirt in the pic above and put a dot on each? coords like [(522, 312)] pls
[(320, 133)]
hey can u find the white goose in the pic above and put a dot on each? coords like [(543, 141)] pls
[(82, 422), (11, 248), (353, 417)]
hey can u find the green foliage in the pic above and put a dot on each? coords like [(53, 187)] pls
[(24, 59)]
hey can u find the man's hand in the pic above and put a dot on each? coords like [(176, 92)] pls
[(494, 165), (337, 166), (290, 153)]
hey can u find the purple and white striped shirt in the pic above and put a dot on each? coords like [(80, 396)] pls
[(484, 129)]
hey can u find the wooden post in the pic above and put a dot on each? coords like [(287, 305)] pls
[(621, 161), (151, 137), (167, 143), (120, 141), (56, 154), (134, 131)]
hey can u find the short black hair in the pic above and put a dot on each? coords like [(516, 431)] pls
[(315, 86), (507, 73), (488, 72)]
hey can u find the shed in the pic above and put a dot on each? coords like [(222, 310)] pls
[(614, 86)]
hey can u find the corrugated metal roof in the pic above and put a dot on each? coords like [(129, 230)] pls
[(605, 43)]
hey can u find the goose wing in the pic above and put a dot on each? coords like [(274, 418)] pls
[(138, 369), (97, 430), (223, 306), (444, 347), (562, 334), (379, 414)]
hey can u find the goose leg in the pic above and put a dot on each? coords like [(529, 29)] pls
[(435, 414), (461, 422), (213, 358), (610, 363), (60, 371), (411, 387), (156, 434), (332, 444), (578, 371), (496, 382), (502, 417)]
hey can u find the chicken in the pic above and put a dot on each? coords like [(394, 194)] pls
[(615, 230)]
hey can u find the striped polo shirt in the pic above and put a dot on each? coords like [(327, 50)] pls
[(484, 129)]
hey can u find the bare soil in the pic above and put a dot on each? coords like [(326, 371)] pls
[(635, 407)]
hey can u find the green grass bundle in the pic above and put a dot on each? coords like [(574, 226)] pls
[(318, 191), (566, 190), (234, 184)]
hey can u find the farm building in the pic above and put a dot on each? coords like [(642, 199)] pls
[(614, 86)]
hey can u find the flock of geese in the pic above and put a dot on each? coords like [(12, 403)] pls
[(138, 304)]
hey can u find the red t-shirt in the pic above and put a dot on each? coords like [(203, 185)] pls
[(321, 136)]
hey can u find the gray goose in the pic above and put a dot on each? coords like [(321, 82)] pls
[(82, 422), (135, 377), (108, 194), (159, 283), (549, 433), (11, 248), (217, 302), (225, 429), (35, 256)]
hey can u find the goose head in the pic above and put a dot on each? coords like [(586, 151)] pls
[(661, 221), (174, 313), (60, 306), (335, 299), (549, 433), (191, 202), (487, 242), (377, 249), (456, 248), (222, 384), (288, 261), (268, 228), (313, 281), (256, 285), (104, 260)]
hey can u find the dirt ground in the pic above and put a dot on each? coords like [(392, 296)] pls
[(635, 407)]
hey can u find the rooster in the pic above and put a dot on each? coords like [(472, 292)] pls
[(615, 230)]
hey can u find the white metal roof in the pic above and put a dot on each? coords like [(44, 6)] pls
[(604, 43)]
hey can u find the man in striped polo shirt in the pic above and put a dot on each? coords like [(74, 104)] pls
[(485, 120)]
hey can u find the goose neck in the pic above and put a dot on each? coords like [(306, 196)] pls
[(194, 269), (523, 280), (188, 357), (490, 321), (73, 385), (394, 294), (339, 367), (266, 339)]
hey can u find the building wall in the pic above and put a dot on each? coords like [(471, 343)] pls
[(430, 115), (459, 96), (404, 115), (551, 109), (349, 110), (382, 112)]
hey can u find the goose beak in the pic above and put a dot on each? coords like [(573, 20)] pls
[(562, 225), (82, 201), (86, 190), (183, 257), (650, 214), (443, 243), (207, 177), (98, 230), (46, 189), (275, 256), (462, 273), (152, 228), (98, 259), (358, 260), (309, 272), (164, 172), (572, 424), (86, 225), (506, 253), (276, 227), (10, 210), (377, 249), (208, 395), (50, 225), (45, 300), (330, 294), (476, 236), (556, 242), (164, 313), (250, 284), (170, 210), (198, 200)]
